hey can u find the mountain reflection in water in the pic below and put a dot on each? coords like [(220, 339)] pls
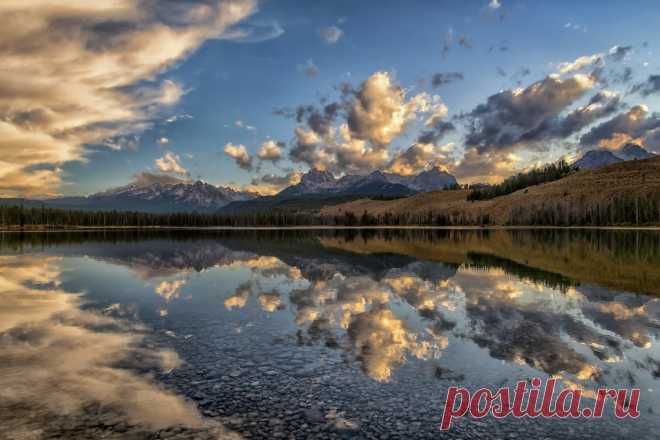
[(581, 306)]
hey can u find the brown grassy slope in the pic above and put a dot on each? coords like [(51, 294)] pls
[(581, 188)]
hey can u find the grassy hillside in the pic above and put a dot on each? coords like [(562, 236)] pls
[(615, 194)]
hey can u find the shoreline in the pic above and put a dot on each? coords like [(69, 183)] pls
[(318, 227)]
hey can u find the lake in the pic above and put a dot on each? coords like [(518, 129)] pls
[(320, 333)]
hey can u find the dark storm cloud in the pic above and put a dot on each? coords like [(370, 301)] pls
[(146, 178), (635, 123), (435, 133), (600, 105), (617, 53), (273, 179), (444, 78), (648, 87), (511, 116), (319, 120)]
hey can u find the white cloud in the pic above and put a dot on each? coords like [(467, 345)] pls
[(163, 141), (380, 111), (580, 63), (170, 164), (81, 72), (270, 151), (240, 155)]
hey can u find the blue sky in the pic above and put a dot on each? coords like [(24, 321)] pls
[(258, 60)]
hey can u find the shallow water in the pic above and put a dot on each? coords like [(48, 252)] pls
[(201, 334)]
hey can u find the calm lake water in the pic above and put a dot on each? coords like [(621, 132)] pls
[(326, 334)]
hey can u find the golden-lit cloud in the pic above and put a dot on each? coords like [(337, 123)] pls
[(239, 298), (170, 163), (381, 341), (580, 63), (270, 184), (78, 73), (380, 110), (170, 290), (240, 155), (419, 157), (269, 301), (270, 151)]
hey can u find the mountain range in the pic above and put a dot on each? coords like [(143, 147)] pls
[(203, 197), (377, 183), (155, 197), (600, 158)]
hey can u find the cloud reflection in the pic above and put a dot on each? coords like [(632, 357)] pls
[(56, 358)]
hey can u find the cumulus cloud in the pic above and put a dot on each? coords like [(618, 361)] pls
[(163, 141), (170, 163), (354, 155), (353, 135), (441, 79), (320, 120), (79, 73), (637, 125), (602, 104), (486, 167), (270, 184), (240, 155), (380, 111), (508, 117), (435, 132), (271, 151), (306, 149), (580, 63), (417, 158), (331, 34), (146, 178), (309, 68)]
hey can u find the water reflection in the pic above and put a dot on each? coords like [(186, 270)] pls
[(57, 359), (581, 306)]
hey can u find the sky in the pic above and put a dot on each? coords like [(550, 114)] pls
[(250, 94)]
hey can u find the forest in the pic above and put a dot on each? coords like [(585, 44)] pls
[(546, 173), (625, 210)]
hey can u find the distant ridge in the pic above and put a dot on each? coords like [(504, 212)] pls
[(599, 158), (377, 183), (155, 198)]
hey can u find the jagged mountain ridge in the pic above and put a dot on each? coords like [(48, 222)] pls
[(599, 158), (156, 197), (316, 182)]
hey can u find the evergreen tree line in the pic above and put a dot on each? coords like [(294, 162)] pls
[(24, 217), (627, 209), (547, 173), (623, 210)]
